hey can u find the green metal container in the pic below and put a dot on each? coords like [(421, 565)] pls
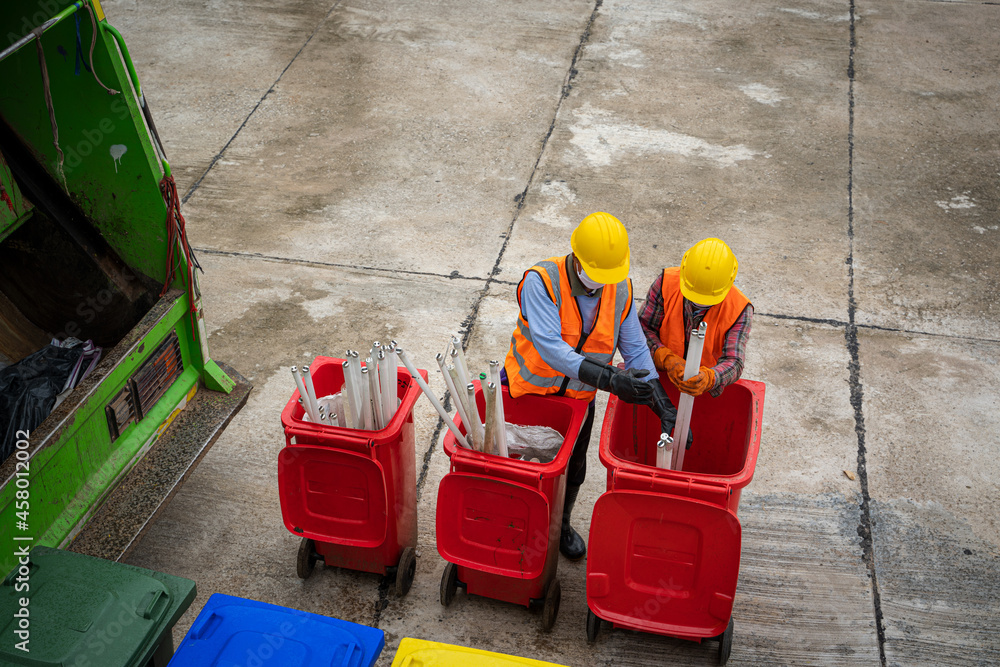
[(64, 609), (83, 253)]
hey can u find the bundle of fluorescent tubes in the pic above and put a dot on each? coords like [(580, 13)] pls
[(487, 435), (368, 399)]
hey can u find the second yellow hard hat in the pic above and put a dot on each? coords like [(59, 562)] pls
[(708, 271)]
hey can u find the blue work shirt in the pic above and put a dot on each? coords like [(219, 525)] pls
[(546, 330)]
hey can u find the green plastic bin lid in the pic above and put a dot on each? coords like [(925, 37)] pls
[(79, 611)]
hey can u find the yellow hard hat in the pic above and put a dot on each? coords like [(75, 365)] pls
[(708, 271), (600, 242)]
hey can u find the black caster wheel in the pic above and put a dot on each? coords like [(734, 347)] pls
[(726, 643), (405, 571), (593, 626), (449, 583), (551, 609), (307, 558)]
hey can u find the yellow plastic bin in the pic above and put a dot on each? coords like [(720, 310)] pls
[(420, 653)]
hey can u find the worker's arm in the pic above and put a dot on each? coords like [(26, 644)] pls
[(650, 319), (546, 328), (635, 344), (632, 345), (730, 366), (651, 314), (546, 333)]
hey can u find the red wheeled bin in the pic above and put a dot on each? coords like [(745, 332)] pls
[(350, 494), (664, 549), (498, 519)]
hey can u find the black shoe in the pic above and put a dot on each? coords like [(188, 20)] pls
[(571, 544)]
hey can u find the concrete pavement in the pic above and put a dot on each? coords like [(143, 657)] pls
[(367, 169)]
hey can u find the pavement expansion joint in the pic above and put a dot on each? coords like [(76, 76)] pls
[(469, 323), (256, 106), (454, 275), (854, 366)]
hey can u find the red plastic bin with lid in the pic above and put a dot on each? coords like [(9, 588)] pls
[(664, 548), (498, 519), (350, 494)]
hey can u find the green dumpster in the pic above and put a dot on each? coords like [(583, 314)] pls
[(69, 610)]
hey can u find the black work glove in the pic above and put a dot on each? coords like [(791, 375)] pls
[(626, 385), (666, 411)]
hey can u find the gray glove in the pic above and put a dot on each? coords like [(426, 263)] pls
[(626, 385)]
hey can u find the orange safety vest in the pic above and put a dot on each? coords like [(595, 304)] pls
[(720, 318), (527, 373)]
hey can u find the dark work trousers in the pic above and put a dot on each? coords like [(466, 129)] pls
[(576, 471)]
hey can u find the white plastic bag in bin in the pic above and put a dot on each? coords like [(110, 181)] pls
[(332, 405), (533, 442)]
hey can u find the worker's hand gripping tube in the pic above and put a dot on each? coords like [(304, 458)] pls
[(686, 402), (627, 385)]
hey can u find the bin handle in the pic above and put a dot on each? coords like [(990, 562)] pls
[(685, 484), (147, 603), (204, 628), (294, 431), (353, 649), (9, 579), (487, 465)]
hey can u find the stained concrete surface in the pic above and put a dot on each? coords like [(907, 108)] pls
[(363, 170)]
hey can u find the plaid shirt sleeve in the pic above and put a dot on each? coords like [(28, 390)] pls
[(730, 366), (651, 314)]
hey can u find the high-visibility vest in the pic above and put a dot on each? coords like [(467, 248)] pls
[(720, 318), (527, 373)]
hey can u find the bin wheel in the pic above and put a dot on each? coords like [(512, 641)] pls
[(307, 558), (593, 625), (405, 571), (553, 594), (726, 643), (449, 583)]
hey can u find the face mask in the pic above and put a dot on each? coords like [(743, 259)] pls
[(587, 282)]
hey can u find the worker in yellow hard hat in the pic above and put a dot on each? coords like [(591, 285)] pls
[(575, 312), (700, 289)]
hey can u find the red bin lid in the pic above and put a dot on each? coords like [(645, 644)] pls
[(663, 564), (332, 495), (492, 525)]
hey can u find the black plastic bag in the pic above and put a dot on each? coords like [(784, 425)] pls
[(28, 391)]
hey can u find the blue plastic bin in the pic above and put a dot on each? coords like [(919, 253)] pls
[(234, 631)]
